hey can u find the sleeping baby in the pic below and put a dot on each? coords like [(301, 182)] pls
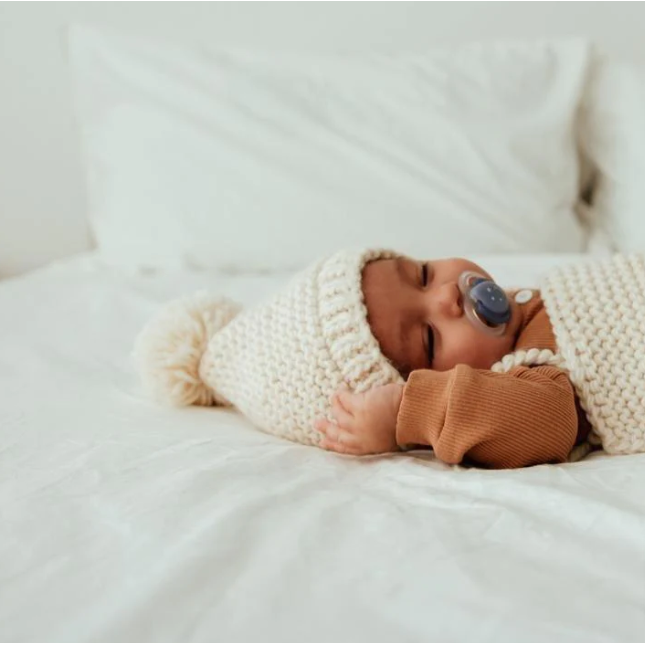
[(373, 352)]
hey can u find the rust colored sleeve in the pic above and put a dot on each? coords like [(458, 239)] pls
[(521, 418)]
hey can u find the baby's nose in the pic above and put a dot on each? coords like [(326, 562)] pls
[(449, 300)]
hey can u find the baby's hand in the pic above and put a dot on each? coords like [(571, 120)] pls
[(365, 424)]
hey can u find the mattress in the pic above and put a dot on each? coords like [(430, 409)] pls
[(123, 520)]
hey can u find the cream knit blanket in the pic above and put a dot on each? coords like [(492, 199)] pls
[(597, 311)]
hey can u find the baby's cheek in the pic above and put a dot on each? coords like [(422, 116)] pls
[(469, 346)]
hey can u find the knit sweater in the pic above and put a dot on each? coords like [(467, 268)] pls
[(527, 416)]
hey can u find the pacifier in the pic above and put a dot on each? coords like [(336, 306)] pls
[(485, 303)]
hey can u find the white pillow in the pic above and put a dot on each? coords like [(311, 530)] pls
[(263, 161), (613, 140)]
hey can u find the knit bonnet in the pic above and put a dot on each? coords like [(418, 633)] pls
[(278, 362)]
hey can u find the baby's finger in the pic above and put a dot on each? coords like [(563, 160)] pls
[(340, 448), (346, 398), (343, 417), (324, 426), (334, 434), (339, 442)]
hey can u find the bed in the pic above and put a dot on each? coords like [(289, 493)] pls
[(123, 520)]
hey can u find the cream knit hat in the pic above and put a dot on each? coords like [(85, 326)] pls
[(278, 362)]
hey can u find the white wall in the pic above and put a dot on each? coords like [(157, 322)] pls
[(41, 191)]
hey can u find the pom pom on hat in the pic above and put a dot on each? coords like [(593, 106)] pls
[(169, 350)]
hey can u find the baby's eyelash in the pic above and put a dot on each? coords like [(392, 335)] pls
[(424, 274)]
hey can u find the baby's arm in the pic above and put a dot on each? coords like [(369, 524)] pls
[(524, 417)]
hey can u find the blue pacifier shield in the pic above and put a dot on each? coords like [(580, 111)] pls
[(490, 302), (485, 303)]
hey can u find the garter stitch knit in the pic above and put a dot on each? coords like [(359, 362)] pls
[(597, 311), (278, 362)]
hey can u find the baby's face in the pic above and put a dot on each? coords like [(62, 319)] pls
[(415, 312)]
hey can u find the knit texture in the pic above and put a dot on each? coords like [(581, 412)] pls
[(280, 361), (598, 315)]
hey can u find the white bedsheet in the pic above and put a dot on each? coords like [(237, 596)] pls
[(121, 520)]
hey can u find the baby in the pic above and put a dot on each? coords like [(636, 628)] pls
[(370, 352), (452, 402)]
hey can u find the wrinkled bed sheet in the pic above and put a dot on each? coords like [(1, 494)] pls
[(122, 520)]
